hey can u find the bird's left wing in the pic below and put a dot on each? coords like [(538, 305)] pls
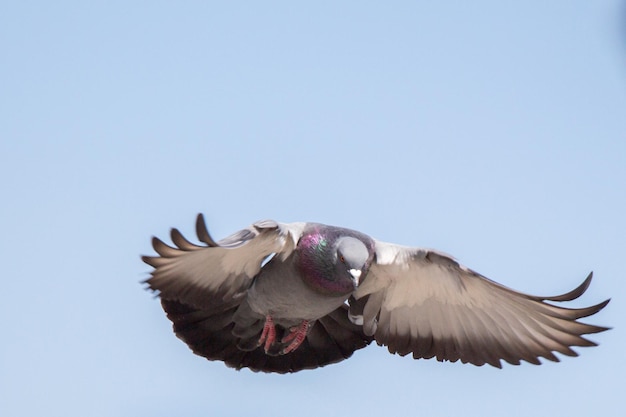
[(217, 273), (424, 302)]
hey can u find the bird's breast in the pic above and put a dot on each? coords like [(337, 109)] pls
[(282, 292)]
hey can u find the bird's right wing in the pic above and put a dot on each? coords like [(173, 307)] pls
[(217, 273)]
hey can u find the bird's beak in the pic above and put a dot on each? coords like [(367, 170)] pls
[(356, 273)]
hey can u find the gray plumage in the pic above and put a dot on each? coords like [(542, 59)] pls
[(281, 297)]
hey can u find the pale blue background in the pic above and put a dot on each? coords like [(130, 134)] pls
[(492, 130)]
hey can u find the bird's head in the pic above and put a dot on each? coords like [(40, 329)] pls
[(352, 258), (334, 260)]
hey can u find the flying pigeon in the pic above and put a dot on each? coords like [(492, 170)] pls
[(282, 297)]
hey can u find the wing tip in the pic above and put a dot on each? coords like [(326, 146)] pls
[(203, 232), (147, 260), (573, 294), (181, 242)]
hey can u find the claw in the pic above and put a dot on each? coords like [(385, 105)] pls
[(268, 336), (296, 336)]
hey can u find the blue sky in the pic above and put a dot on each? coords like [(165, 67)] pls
[(494, 131)]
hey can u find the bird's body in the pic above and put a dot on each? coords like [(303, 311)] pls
[(284, 297), (278, 292)]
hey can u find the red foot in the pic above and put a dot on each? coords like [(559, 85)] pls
[(296, 336), (269, 333)]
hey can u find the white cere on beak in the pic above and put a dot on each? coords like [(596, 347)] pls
[(356, 273)]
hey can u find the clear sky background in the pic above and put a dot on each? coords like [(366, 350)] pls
[(492, 130)]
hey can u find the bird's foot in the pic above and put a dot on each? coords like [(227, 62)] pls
[(268, 336), (295, 337)]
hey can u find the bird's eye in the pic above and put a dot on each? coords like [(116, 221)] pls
[(342, 259)]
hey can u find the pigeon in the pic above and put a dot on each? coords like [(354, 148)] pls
[(283, 297)]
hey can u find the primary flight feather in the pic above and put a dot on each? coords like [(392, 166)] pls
[(279, 297)]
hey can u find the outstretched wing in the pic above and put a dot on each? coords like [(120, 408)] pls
[(217, 274), (423, 302)]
